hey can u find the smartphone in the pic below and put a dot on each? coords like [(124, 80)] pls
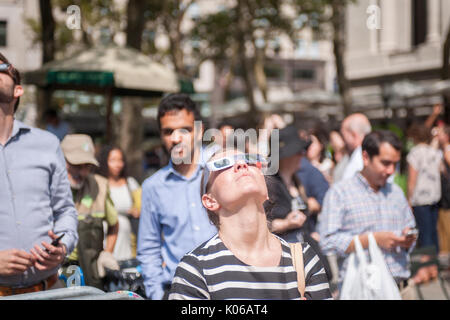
[(412, 232), (55, 242)]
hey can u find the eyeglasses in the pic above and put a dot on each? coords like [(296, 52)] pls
[(227, 162)]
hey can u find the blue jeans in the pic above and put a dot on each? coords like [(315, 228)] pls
[(426, 219)]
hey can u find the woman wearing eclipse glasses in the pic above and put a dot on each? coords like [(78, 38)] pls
[(244, 260)]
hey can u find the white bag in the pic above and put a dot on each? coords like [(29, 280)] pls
[(368, 280)]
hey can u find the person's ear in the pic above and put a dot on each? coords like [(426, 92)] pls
[(366, 158), (18, 91), (210, 203)]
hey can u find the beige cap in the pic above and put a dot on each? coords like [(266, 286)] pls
[(79, 149)]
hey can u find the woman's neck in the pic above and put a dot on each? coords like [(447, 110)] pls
[(116, 181), (246, 234)]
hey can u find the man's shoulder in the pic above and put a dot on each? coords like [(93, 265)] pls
[(344, 184), (39, 135), (156, 179), (100, 178)]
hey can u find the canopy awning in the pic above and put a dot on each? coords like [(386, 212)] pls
[(111, 66)]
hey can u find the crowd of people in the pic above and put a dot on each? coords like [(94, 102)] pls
[(211, 224)]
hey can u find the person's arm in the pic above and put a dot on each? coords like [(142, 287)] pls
[(61, 202), (113, 224), (333, 238), (294, 220), (385, 239), (412, 180), (149, 245), (433, 116), (447, 155)]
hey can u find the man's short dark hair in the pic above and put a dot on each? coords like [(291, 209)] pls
[(15, 75), (177, 101), (372, 141)]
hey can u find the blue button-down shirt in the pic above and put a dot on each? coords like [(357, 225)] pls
[(351, 207), (35, 197), (172, 209)]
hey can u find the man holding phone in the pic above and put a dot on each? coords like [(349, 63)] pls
[(368, 203), (36, 202)]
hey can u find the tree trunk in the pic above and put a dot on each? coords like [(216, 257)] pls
[(338, 21), (445, 73), (131, 123), (131, 135), (48, 54), (260, 75), (48, 31), (135, 23), (245, 63)]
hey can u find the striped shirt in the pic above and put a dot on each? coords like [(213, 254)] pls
[(211, 271), (351, 207)]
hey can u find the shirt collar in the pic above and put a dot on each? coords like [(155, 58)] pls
[(171, 170), (19, 126), (366, 184)]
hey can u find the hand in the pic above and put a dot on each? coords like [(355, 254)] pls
[(313, 205), (15, 262), (408, 240), (296, 219), (134, 212), (388, 240), (51, 259), (437, 108)]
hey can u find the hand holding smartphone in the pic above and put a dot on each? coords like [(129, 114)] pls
[(412, 232), (55, 242)]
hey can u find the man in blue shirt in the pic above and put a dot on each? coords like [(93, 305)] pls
[(35, 199), (173, 220)]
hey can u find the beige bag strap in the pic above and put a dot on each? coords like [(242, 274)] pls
[(297, 261)]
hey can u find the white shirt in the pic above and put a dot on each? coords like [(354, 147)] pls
[(426, 160), (354, 165)]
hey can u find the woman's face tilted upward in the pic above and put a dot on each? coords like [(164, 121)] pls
[(234, 186)]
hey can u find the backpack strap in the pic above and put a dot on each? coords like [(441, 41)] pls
[(297, 261)]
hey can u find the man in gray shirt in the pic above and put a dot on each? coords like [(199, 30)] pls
[(35, 197)]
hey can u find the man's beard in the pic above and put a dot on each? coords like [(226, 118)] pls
[(6, 95)]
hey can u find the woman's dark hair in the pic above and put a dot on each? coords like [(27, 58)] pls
[(15, 74), (103, 161), (177, 101), (420, 133), (322, 136), (372, 141)]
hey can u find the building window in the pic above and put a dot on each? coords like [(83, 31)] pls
[(3, 25), (274, 72), (304, 74), (419, 21)]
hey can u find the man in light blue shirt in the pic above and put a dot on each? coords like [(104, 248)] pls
[(35, 199), (173, 220)]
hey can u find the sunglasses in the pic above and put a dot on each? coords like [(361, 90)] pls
[(6, 68), (227, 162)]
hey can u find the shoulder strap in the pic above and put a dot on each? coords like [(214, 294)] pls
[(297, 261)]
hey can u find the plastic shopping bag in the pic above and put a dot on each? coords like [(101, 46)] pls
[(368, 280)]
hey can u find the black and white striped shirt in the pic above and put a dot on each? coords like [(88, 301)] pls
[(211, 271)]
